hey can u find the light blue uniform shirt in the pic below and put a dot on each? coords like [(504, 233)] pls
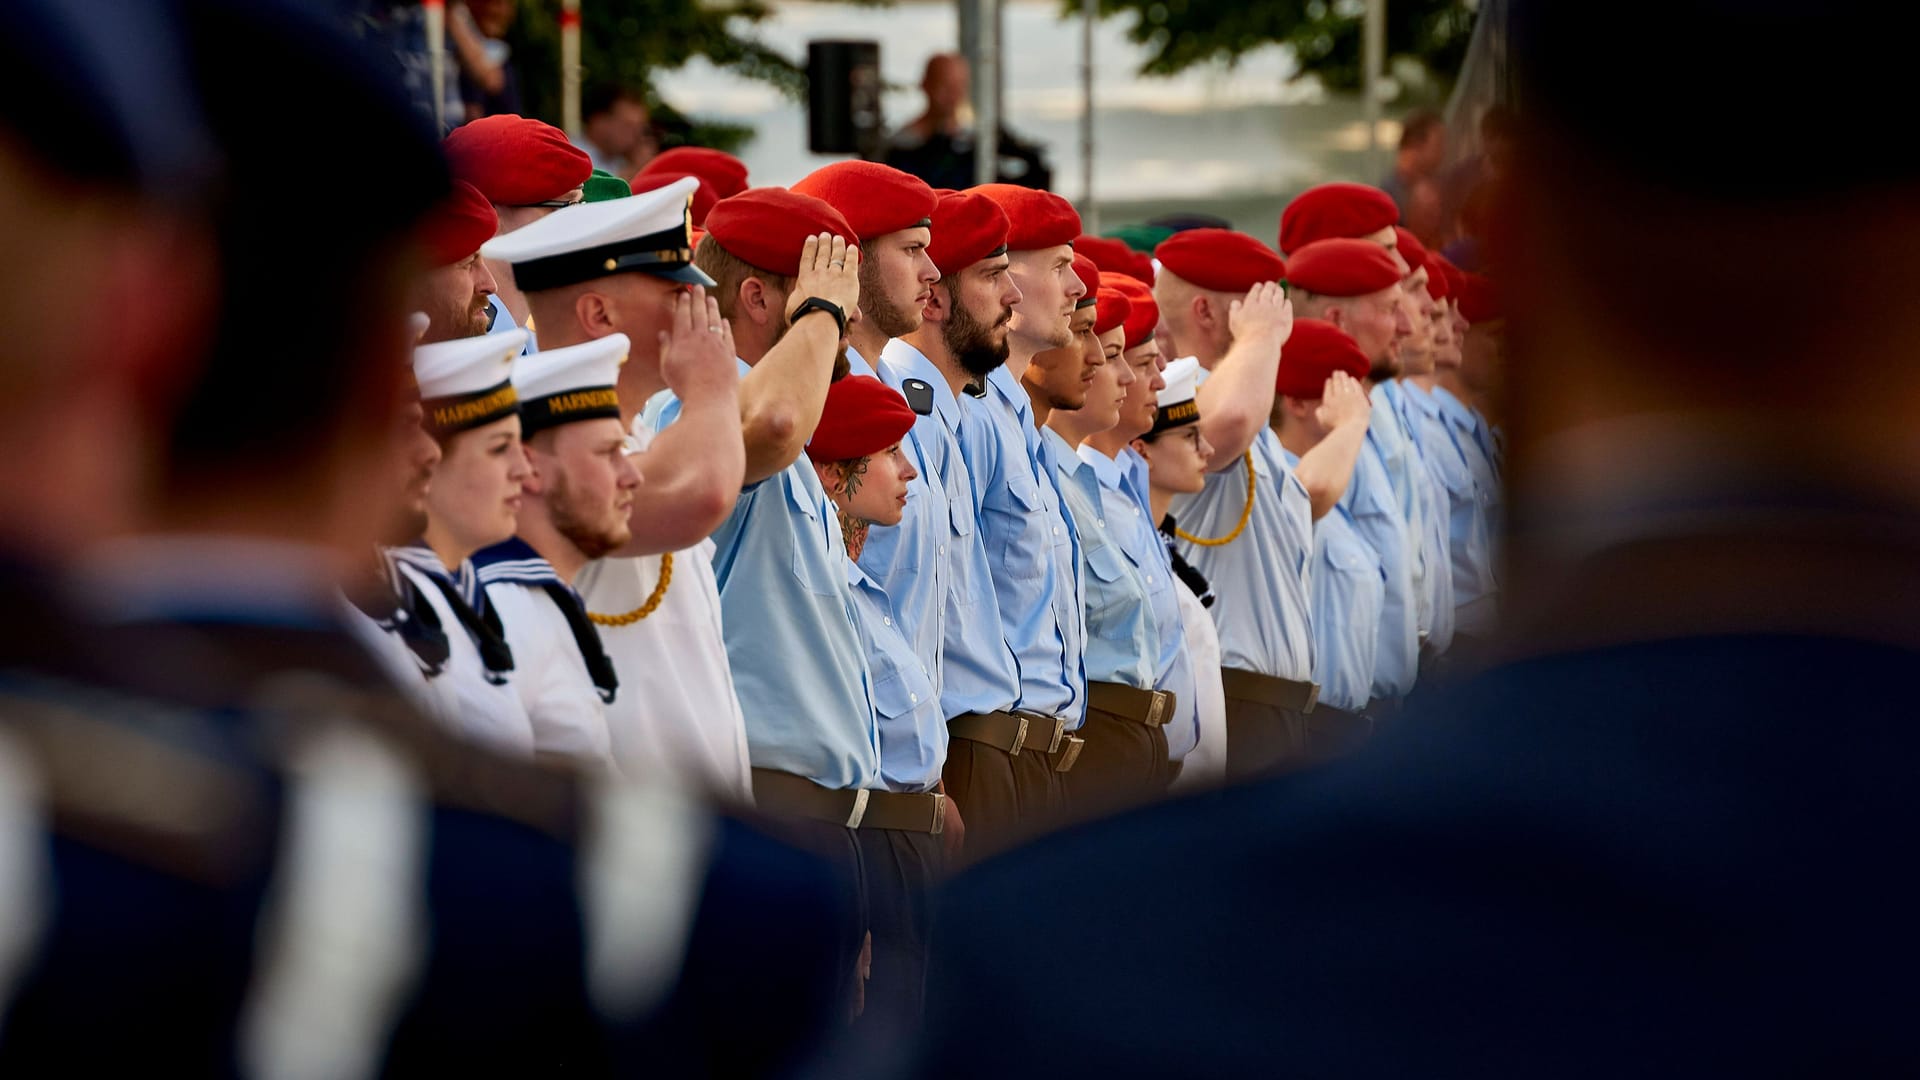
[(913, 734), (1034, 551), (1388, 434), (503, 323), (909, 560), (1436, 588), (1261, 579), (1123, 644), (787, 615), (977, 673), (1374, 509), (1475, 584), (1469, 542), (1349, 587), (1129, 516)]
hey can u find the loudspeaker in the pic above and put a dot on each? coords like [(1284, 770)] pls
[(843, 98)]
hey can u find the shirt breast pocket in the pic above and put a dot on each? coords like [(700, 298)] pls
[(1108, 600), (1020, 531), (893, 693), (815, 562)]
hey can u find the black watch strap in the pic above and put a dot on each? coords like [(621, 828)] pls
[(814, 303)]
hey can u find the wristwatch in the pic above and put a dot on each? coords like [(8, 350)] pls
[(812, 304)]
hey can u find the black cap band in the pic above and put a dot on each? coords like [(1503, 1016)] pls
[(1177, 415), (660, 252), (587, 403), (462, 412)]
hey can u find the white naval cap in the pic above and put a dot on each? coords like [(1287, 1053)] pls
[(467, 382), (560, 386), (651, 232), (1176, 403)]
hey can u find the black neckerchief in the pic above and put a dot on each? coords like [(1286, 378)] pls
[(396, 604), (586, 637), (1194, 579), (484, 627)]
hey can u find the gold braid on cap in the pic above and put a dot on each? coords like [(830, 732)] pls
[(646, 609), (1245, 516)]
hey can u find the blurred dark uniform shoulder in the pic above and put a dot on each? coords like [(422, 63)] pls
[(1667, 854), (227, 845)]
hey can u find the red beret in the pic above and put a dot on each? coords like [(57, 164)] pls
[(875, 199), (1335, 211), (515, 161), (1114, 309), (1343, 268), (1439, 286), (1410, 248), (727, 174), (1089, 276), (1035, 219), (1143, 317), (1314, 351), (966, 229), (1114, 257), (862, 417), (766, 227), (1479, 299), (457, 227), (703, 196), (1219, 259)]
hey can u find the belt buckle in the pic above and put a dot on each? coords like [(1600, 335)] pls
[(1019, 736), (860, 798), (1059, 732), (1313, 697), (939, 812), (1156, 707), (1072, 754)]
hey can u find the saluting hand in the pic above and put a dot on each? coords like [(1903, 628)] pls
[(1265, 313), (830, 270), (696, 352), (1343, 402)]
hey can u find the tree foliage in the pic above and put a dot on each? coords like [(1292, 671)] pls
[(626, 42), (1325, 35)]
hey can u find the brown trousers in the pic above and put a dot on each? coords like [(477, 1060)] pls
[(1123, 764), (1263, 739), (1003, 799)]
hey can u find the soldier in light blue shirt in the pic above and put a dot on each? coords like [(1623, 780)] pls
[(1356, 285), (892, 214), (856, 455), (963, 337), (1126, 497), (1027, 532), (1321, 416), (1250, 530), (1434, 585), (799, 669), (1126, 760)]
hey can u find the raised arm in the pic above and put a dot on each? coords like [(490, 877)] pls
[(690, 474), (782, 397), (1326, 469), (1237, 397)]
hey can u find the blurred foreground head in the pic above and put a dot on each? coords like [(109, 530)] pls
[(288, 428), (1685, 234), (107, 291)]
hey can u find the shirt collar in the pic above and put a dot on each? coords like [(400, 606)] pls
[(1107, 469), (857, 364), (904, 361)]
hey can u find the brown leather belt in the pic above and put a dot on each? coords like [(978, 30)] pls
[(783, 793), (1241, 685), (1017, 731), (1149, 707)]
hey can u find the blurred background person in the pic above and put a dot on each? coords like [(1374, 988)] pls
[(616, 129), (1414, 182)]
